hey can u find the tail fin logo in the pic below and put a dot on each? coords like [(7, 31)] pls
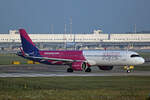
[(27, 44)]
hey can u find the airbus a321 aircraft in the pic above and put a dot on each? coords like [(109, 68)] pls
[(78, 60)]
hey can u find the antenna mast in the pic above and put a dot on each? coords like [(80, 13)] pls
[(135, 28), (70, 25), (73, 37), (65, 40), (52, 28)]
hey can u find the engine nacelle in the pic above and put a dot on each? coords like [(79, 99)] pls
[(105, 67), (79, 66)]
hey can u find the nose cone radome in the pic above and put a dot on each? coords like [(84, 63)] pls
[(141, 60)]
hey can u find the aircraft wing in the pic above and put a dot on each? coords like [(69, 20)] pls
[(54, 59)]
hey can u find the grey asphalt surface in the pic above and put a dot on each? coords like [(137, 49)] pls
[(41, 70)]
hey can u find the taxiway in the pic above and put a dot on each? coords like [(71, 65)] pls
[(53, 70)]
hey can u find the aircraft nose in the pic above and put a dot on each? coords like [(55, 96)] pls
[(141, 60)]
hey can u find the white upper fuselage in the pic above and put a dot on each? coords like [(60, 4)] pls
[(110, 57)]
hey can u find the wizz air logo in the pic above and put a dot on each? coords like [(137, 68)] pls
[(31, 53)]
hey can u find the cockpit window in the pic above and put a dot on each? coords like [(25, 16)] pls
[(135, 55)]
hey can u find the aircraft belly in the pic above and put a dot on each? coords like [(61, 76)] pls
[(107, 62)]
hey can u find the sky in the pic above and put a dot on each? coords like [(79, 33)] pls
[(45, 16)]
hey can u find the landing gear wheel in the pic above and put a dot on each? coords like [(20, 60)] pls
[(88, 70), (128, 71), (70, 70)]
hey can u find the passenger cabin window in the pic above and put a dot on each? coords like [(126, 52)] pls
[(134, 55)]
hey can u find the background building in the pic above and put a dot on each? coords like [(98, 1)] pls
[(96, 36), (97, 39)]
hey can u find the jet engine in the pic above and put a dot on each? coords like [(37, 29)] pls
[(105, 67), (79, 66)]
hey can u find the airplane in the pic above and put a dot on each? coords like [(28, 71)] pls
[(78, 60)]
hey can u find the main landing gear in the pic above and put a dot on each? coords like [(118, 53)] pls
[(71, 70), (88, 70)]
